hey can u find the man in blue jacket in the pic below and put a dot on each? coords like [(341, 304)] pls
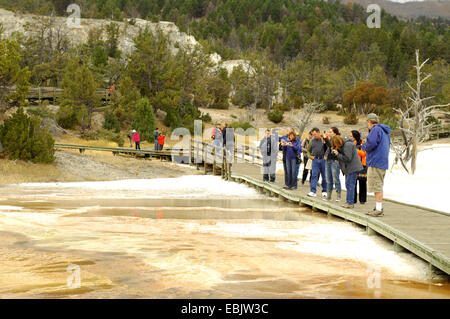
[(377, 147)]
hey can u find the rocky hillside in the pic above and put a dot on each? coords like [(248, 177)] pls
[(15, 22)]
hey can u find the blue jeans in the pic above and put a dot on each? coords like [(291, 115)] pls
[(156, 145), (285, 173), (333, 170), (350, 183), (291, 170), (318, 166), (297, 167)]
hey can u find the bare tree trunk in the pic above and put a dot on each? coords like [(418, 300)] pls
[(413, 120)]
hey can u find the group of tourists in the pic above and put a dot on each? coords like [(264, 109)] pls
[(135, 138), (325, 155), (223, 136)]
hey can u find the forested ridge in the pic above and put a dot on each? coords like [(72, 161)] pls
[(301, 51)]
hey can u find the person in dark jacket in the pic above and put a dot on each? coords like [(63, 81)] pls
[(155, 138), (305, 145), (316, 152), (293, 148), (332, 168), (217, 136), (269, 151), (228, 142), (350, 165), (361, 178), (377, 146)]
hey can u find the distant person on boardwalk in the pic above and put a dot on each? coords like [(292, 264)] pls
[(130, 137), (332, 167), (155, 138), (137, 139), (377, 146), (350, 165), (293, 148), (306, 170), (161, 138), (217, 136), (316, 152), (299, 159), (284, 139), (269, 151), (228, 142), (361, 178)]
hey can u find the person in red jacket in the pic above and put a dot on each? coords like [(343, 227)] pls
[(137, 139), (161, 138)]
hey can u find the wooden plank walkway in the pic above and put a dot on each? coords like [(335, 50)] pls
[(144, 152), (424, 232)]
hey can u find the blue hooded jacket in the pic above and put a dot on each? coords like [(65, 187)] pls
[(285, 148), (377, 146)]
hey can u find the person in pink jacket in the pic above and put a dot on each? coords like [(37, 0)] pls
[(137, 139)]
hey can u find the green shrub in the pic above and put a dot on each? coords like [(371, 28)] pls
[(111, 122), (391, 122), (172, 119), (243, 125), (276, 115), (67, 116), (111, 136), (41, 110), (351, 118), (104, 134), (90, 135), (206, 118), (22, 138), (144, 121)]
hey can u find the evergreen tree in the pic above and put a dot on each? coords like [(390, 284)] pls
[(12, 74), (127, 101), (144, 121), (80, 90), (22, 138)]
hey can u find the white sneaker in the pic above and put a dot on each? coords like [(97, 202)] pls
[(311, 194), (324, 194)]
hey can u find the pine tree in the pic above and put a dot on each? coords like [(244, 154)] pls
[(144, 121), (12, 74), (22, 138), (80, 90)]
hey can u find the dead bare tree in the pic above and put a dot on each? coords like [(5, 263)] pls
[(414, 121), (305, 118)]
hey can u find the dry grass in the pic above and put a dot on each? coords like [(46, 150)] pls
[(13, 172)]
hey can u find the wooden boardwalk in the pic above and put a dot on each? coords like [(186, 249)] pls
[(424, 232)]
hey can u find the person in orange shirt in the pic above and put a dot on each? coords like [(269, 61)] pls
[(362, 175), (161, 138)]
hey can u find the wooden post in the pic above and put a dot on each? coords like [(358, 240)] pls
[(253, 155), (223, 173), (214, 161)]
